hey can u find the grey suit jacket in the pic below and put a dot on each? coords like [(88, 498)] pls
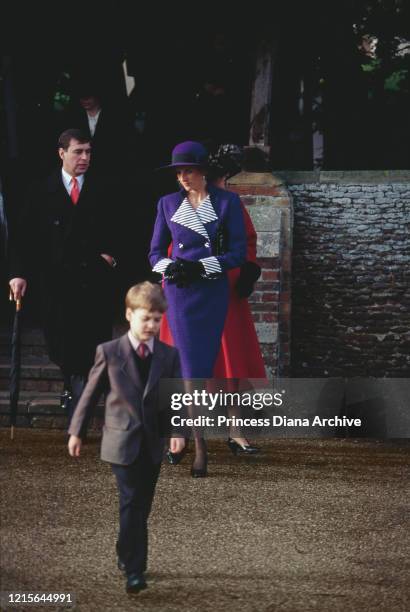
[(132, 412)]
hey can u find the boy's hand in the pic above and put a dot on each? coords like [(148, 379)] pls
[(74, 446), (176, 445)]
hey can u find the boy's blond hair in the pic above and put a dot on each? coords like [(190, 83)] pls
[(146, 295)]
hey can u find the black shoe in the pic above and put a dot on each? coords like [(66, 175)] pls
[(175, 458), (65, 399), (135, 583), (246, 449), (120, 565)]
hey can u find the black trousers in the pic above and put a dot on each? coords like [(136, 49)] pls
[(136, 486)]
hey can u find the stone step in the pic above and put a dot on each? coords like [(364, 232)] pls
[(28, 359), (41, 409), (28, 337), (40, 377), (38, 374), (35, 337), (26, 351), (29, 400), (31, 342)]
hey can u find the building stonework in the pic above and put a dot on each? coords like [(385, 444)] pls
[(351, 274), (270, 206)]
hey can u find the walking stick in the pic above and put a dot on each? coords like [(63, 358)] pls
[(15, 366)]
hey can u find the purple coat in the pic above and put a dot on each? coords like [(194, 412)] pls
[(197, 313)]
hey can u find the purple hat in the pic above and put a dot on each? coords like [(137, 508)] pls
[(188, 153)]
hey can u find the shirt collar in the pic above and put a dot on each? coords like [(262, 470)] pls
[(94, 117), (135, 343), (92, 122), (67, 178)]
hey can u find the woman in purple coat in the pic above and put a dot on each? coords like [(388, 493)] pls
[(206, 228)]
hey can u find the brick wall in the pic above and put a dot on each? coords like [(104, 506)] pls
[(269, 205)]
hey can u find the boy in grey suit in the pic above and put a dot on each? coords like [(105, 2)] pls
[(128, 370)]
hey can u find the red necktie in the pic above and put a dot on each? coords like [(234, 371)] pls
[(142, 350), (75, 191)]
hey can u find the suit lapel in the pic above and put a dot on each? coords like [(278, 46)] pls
[(61, 206), (99, 128), (157, 367), (86, 189), (129, 366), (55, 185)]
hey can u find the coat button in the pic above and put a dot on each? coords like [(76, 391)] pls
[(181, 246), (206, 244)]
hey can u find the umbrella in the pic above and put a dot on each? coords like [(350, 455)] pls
[(15, 367)]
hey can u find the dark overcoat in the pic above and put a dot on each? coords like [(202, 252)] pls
[(59, 245), (197, 313)]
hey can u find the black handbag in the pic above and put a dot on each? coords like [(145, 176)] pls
[(220, 245)]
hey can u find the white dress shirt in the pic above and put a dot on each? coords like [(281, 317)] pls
[(68, 181), (92, 122)]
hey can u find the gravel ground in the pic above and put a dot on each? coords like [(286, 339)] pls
[(307, 525)]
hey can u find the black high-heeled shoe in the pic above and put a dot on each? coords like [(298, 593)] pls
[(246, 449), (175, 458)]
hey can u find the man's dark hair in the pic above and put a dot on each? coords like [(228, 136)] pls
[(72, 134)]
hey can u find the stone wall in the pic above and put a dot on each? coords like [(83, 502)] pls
[(351, 274)]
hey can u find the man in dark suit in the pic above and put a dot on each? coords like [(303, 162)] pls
[(65, 242), (128, 370), (120, 160)]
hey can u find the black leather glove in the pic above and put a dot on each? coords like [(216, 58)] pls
[(193, 270), (174, 273), (155, 277), (250, 272)]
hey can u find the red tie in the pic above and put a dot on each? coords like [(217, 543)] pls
[(142, 350), (75, 191)]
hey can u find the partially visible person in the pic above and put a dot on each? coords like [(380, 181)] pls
[(108, 126), (195, 220), (3, 228), (3, 249), (66, 241), (128, 370), (222, 99)]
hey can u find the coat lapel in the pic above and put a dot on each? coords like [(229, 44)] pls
[(195, 219), (206, 211), (157, 367), (125, 352), (55, 185), (129, 366), (61, 208)]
